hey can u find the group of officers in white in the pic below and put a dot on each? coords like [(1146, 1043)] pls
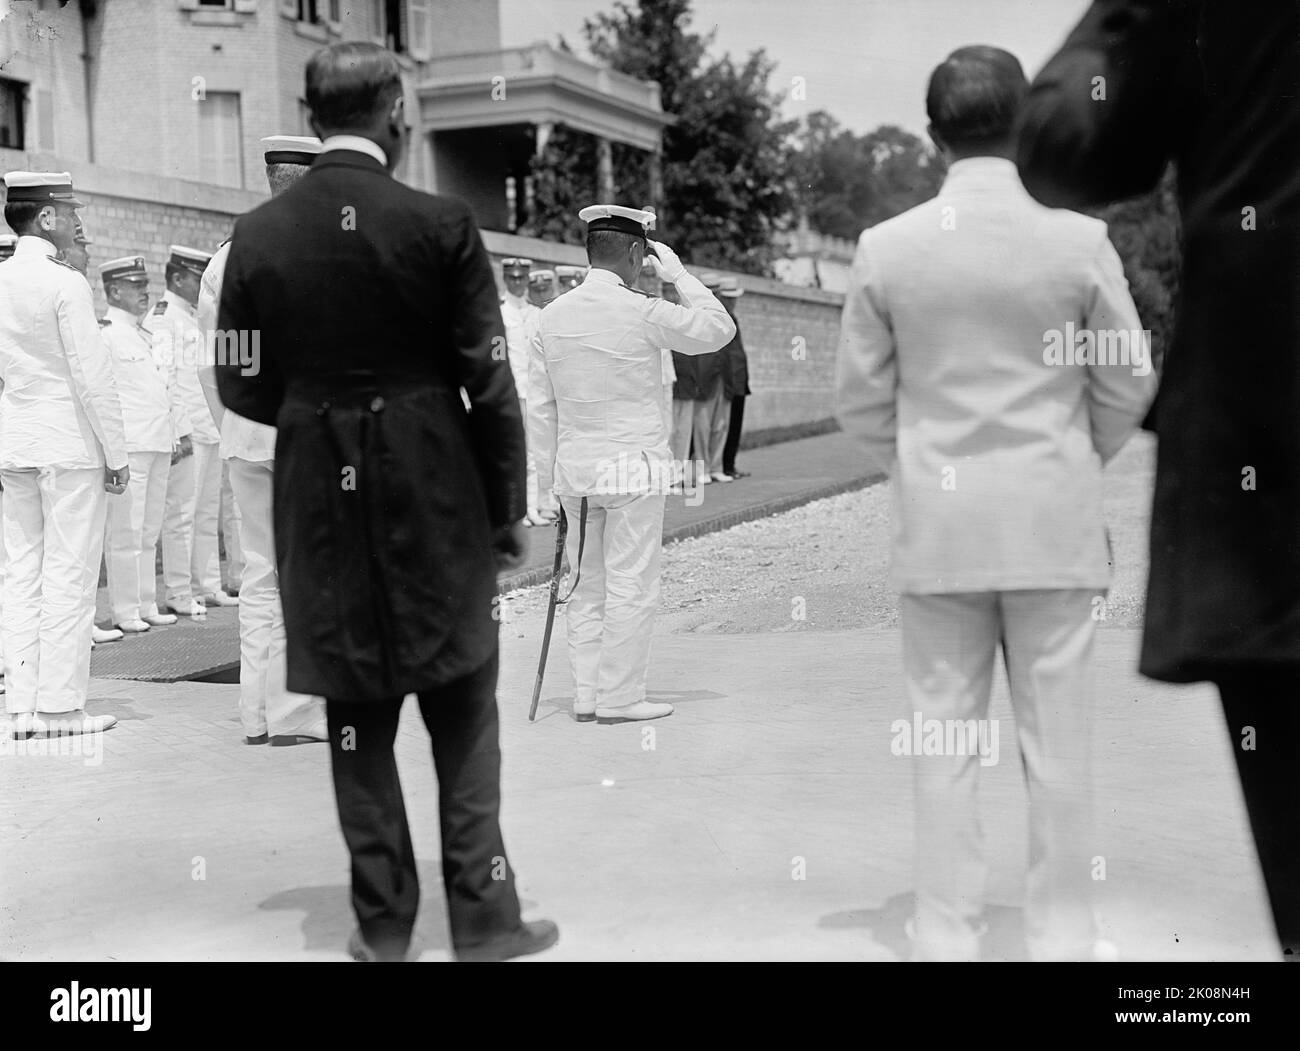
[(112, 437)]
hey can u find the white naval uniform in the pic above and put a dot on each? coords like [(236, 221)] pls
[(248, 448), (520, 318), (600, 432), (152, 430), (189, 531), (60, 425)]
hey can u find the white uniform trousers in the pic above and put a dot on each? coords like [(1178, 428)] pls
[(712, 420), (950, 642), (51, 517), (233, 574), (265, 706), (203, 573), (131, 540), (611, 613), (2, 586)]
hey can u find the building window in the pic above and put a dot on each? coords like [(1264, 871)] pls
[(316, 11), (223, 4), (221, 154), (12, 93), (419, 19)]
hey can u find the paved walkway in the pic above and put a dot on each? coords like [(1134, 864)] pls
[(783, 476), (677, 840)]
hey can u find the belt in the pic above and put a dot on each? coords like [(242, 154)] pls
[(362, 390)]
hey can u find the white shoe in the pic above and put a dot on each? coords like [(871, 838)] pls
[(98, 634), (584, 711), (220, 598), (191, 608), (64, 724), (718, 476), (133, 627), (632, 713), (160, 620), (703, 479)]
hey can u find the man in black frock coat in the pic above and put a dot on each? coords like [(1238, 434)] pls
[(1215, 88), (365, 307)]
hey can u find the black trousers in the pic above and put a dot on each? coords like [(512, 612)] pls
[(1263, 713), (732, 444), (461, 718)]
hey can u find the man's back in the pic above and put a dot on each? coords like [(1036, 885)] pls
[(998, 481)]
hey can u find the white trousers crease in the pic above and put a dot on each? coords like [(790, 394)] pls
[(233, 574), (131, 541), (265, 706), (950, 642), (51, 518), (610, 616)]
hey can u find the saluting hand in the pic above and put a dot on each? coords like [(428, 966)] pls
[(115, 479), (665, 261)]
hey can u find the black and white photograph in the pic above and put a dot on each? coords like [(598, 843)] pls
[(711, 482)]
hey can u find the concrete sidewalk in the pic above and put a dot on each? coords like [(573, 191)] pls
[(678, 840)]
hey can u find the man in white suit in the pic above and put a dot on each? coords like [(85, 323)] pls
[(970, 369), (269, 712), (598, 427)]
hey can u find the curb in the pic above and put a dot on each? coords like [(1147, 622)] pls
[(542, 574)]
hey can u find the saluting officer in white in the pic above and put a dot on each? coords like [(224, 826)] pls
[(519, 315), (599, 430), (268, 711), (154, 435), (191, 571), (61, 447)]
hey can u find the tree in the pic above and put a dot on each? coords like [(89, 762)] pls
[(848, 182), (725, 179)]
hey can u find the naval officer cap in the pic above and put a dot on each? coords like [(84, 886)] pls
[(635, 221), (516, 265), (127, 268), (40, 187), (290, 149), (540, 278), (192, 260)]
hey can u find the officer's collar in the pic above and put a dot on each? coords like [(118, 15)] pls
[(124, 317), (605, 277), (179, 301)]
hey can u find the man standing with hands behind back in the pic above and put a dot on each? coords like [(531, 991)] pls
[(394, 504)]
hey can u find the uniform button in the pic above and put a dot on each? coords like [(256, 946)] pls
[(377, 405)]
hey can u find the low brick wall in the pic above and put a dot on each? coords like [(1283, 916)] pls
[(790, 333)]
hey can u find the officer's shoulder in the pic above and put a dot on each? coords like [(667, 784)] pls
[(160, 307), (66, 265), (638, 292)]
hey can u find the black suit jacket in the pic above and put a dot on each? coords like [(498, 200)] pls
[(1214, 87), (373, 305)]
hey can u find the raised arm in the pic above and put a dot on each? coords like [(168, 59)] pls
[(700, 324)]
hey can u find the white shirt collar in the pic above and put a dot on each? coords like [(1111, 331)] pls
[(30, 244), (604, 277), (179, 302), (124, 317), (357, 143)]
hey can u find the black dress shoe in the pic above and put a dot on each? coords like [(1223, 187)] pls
[(525, 939), (288, 740), (259, 739)]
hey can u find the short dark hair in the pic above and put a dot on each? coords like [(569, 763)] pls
[(607, 245), (350, 85), (21, 214), (974, 97)]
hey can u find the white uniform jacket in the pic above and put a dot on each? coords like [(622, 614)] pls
[(174, 326), (152, 426), (241, 438), (596, 381), (519, 317), (952, 312), (59, 404)]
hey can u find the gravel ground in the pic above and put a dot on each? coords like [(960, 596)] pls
[(823, 566)]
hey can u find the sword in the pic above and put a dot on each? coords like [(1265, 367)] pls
[(561, 535)]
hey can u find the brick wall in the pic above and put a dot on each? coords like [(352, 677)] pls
[(788, 391)]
